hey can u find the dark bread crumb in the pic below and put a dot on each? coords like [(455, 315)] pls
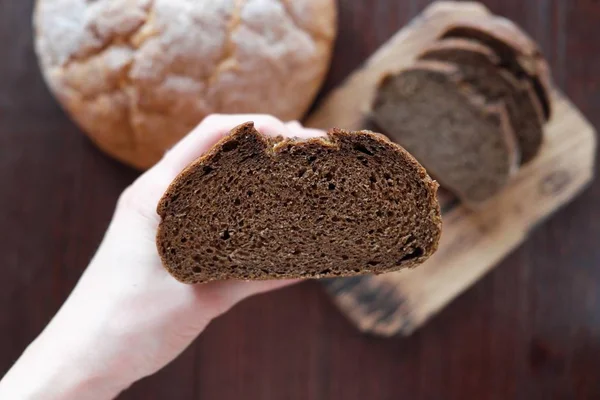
[(466, 144), (256, 207), (480, 67)]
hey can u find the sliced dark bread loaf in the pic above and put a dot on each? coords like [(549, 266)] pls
[(463, 142), (517, 51), (256, 207), (479, 66)]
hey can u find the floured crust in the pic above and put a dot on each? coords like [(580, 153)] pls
[(137, 75), (509, 41)]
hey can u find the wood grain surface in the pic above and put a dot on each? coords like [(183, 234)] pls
[(528, 330)]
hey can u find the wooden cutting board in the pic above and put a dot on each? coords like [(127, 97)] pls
[(472, 242)]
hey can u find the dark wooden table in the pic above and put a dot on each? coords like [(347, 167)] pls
[(529, 330)]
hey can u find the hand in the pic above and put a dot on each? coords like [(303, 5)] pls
[(127, 317)]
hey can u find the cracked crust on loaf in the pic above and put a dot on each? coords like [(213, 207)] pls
[(138, 75)]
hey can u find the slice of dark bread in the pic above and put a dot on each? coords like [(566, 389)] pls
[(517, 51), (256, 207), (463, 142), (479, 67)]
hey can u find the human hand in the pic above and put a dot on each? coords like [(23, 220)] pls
[(127, 317)]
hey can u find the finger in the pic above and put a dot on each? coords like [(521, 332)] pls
[(240, 290), (293, 125), (210, 131), (295, 129), (225, 294)]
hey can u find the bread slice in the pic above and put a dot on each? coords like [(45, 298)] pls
[(479, 66), (256, 207), (517, 51), (466, 144)]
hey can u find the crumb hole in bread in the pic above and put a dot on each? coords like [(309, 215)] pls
[(209, 250), (207, 169), (416, 253), (196, 270), (329, 176), (173, 251), (364, 161), (236, 202), (335, 218), (183, 240), (196, 258), (387, 176), (325, 271), (344, 257), (373, 263), (331, 186), (301, 172), (379, 213), (249, 193), (225, 235), (230, 146), (362, 149), (373, 179), (311, 159)]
